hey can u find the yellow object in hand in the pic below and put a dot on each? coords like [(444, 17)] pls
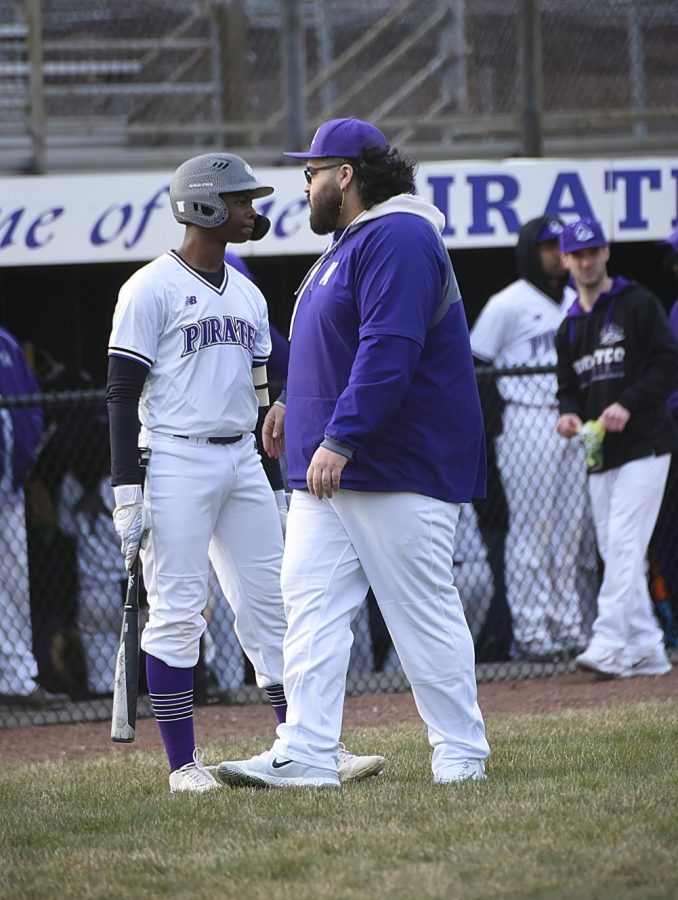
[(592, 434)]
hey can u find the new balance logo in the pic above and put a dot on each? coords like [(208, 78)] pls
[(191, 301)]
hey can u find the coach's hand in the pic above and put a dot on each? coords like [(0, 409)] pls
[(324, 473), (273, 431), (129, 518)]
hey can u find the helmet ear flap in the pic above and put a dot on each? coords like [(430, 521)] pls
[(261, 227)]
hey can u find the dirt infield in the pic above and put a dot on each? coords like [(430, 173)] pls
[(534, 697)]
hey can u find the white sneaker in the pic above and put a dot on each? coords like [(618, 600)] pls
[(194, 776), (603, 662), (656, 663), (466, 770), (353, 768), (269, 770)]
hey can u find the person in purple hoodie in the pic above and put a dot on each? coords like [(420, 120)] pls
[(617, 365), (20, 434), (383, 431)]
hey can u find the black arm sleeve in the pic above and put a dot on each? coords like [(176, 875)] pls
[(123, 388), (271, 466), (658, 377)]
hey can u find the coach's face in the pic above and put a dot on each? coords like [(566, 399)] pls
[(239, 226), (325, 197)]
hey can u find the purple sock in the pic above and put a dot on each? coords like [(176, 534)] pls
[(276, 694), (171, 692)]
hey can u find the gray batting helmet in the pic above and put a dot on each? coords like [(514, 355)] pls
[(197, 184)]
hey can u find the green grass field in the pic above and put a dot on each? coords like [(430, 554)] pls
[(581, 804)]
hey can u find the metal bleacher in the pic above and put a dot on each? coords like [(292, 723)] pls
[(97, 84)]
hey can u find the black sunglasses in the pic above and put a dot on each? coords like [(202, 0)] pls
[(310, 172)]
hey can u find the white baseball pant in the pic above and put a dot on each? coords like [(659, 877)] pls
[(625, 505), (208, 502), (18, 668), (544, 476), (401, 544)]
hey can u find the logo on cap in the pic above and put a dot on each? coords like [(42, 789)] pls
[(554, 227), (582, 232)]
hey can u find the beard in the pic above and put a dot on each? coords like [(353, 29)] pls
[(325, 210)]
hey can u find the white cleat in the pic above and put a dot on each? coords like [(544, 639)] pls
[(656, 663), (269, 770), (466, 770), (194, 776), (606, 663), (354, 768)]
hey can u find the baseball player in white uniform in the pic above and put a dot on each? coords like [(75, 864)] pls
[(189, 346), (544, 477)]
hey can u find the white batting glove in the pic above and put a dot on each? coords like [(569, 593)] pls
[(129, 519), (281, 502)]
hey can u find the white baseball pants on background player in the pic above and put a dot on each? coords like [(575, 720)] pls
[(544, 476), (18, 668), (101, 573), (334, 549), (626, 504), (236, 527)]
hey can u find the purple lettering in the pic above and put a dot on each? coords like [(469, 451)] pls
[(481, 203)]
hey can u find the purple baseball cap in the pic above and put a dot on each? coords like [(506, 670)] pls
[(583, 234), (345, 138), (550, 232), (672, 240)]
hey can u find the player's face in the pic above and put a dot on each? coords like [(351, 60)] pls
[(325, 197), (588, 267), (551, 259), (240, 224)]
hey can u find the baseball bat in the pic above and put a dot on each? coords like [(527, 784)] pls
[(125, 691)]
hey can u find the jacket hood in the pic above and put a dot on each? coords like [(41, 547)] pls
[(528, 263), (401, 203), (619, 284)]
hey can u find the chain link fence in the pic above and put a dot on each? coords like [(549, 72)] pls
[(525, 559), (109, 83)]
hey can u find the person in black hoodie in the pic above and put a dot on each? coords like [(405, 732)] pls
[(617, 365), (548, 580)]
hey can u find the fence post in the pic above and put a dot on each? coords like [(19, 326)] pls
[(32, 12), (529, 41), (294, 74)]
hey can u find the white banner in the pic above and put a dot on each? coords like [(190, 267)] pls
[(118, 217)]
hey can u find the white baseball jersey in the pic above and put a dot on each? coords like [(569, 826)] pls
[(517, 327), (199, 343)]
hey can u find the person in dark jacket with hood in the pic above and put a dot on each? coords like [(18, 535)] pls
[(549, 581), (617, 365)]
